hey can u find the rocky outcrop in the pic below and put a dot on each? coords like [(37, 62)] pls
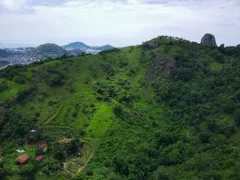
[(159, 66), (170, 69), (150, 44), (208, 40)]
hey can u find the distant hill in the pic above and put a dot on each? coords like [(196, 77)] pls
[(50, 49), (76, 45), (84, 47), (44, 51), (102, 48), (75, 52)]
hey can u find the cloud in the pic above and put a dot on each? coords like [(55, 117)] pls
[(47, 2), (13, 4), (118, 22)]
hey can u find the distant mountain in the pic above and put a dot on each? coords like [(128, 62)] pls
[(75, 52), (85, 48), (45, 51), (50, 50), (102, 48), (76, 45)]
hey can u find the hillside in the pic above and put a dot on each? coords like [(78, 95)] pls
[(168, 109)]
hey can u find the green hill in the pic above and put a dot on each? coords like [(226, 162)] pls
[(168, 109)]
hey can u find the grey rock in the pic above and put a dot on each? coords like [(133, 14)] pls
[(170, 69), (158, 66), (150, 44), (208, 40)]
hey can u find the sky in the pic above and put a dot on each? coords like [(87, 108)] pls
[(117, 22)]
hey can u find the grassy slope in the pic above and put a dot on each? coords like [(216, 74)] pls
[(125, 141)]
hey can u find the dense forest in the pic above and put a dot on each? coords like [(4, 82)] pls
[(167, 109)]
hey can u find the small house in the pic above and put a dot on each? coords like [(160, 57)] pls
[(39, 158), (43, 146), (23, 159)]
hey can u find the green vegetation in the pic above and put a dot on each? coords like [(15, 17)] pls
[(168, 109), (72, 167)]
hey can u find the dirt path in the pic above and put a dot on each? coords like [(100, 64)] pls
[(65, 140), (82, 167), (46, 121), (85, 164), (33, 145), (65, 169)]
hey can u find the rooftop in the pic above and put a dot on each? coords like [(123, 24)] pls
[(23, 158), (42, 145), (39, 158)]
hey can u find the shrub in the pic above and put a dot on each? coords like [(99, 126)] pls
[(123, 64), (228, 106), (185, 74), (74, 114), (237, 117), (20, 79), (89, 172), (3, 86), (118, 110), (37, 114)]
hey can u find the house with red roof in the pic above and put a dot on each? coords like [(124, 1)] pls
[(43, 146), (23, 159), (39, 158)]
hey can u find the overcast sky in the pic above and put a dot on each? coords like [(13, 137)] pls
[(117, 22)]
